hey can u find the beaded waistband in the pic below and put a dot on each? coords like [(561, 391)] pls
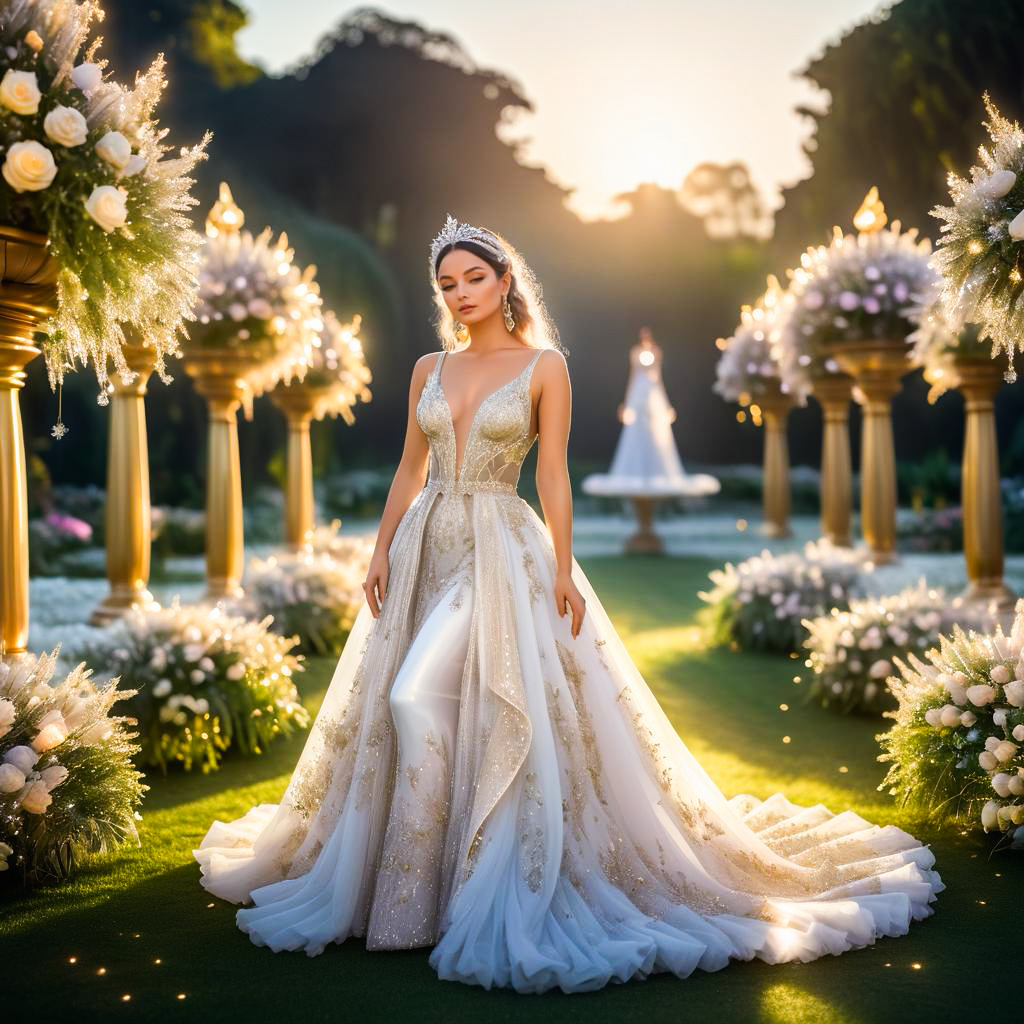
[(471, 486)]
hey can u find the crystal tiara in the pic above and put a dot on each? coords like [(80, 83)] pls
[(453, 232)]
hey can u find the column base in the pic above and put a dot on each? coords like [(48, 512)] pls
[(644, 543), (119, 602), (879, 557), (775, 531), (216, 589)]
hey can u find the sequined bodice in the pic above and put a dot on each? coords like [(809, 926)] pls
[(499, 436)]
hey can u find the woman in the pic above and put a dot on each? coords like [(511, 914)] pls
[(489, 773)]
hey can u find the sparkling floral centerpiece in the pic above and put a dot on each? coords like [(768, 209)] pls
[(980, 252), (68, 787), (85, 165), (957, 745), (850, 651), (761, 603), (206, 681)]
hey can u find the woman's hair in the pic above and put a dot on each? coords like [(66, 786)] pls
[(533, 324)]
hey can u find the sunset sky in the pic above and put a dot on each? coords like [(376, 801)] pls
[(636, 93)]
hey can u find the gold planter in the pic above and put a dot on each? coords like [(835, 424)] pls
[(219, 375), (833, 392), (775, 405), (128, 512), (877, 367), (987, 598), (28, 295)]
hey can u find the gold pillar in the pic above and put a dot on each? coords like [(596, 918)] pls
[(297, 403), (27, 297), (775, 486), (128, 513), (644, 541), (833, 394), (219, 378), (986, 594), (877, 367)]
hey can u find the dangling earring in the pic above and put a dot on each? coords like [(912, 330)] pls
[(506, 310), (461, 331)]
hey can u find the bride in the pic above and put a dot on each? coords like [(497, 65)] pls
[(489, 774)]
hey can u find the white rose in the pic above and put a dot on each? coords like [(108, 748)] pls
[(999, 717), (957, 693), (989, 815), (206, 664), (66, 126), (981, 694), (19, 91), (933, 716), (950, 716), (162, 687), (136, 163), (29, 167), (86, 76), (12, 778), (1014, 693), (22, 757), (50, 736), (1016, 227), (115, 149), (193, 652), (7, 714), (987, 760), (968, 718), (997, 184), (108, 206), (235, 671), (197, 675), (1005, 751), (1000, 674), (37, 798), (1016, 785), (54, 775), (1018, 733), (1001, 783), (992, 742)]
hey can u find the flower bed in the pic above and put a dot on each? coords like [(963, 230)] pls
[(957, 745), (851, 651), (68, 787), (207, 681)]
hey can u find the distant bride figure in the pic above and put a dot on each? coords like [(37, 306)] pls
[(489, 774)]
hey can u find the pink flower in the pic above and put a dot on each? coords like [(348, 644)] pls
[(77, 528)]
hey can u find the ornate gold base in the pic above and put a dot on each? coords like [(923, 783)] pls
[(644, 541), (122, 600)]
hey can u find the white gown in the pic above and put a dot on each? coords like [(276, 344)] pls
[(479, 781)]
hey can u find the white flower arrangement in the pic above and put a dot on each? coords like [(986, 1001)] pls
[(315, 593), (957, 745), (858, 287), (206, 680), (747, 367), (253, 297), (85, 164), (851, 650), (980, 253), (67, 783), (762, 602)]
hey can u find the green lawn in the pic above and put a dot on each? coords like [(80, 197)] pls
[(142, 915)]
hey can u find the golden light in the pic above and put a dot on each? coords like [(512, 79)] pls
[(871, 215), (646, 358), (974, 247), (225, 216)]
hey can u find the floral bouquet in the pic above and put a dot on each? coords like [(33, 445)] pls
[(957, 745), (85, 164), (315, 593), (747, 368), (762, 603), (67, 783), (338, 369), (980, 254), (850, 650), (206, 680), (857, 288), (253, 298)]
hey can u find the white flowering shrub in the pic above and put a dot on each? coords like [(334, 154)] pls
[(957, 745), (850, 651), (313, 594), (68, 787), (207, 681), (761, 604)]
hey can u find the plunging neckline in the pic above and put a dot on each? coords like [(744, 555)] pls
[(476, 411)]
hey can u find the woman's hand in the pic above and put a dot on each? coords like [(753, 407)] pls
[(567, 594), (375, 587)]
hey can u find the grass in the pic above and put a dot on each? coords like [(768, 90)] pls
[(142, 915)]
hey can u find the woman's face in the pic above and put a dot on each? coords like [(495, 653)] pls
[(471, 288)]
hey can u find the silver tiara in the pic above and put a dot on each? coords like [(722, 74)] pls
[(453, 232)]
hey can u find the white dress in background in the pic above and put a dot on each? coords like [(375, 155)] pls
[(480, 782)]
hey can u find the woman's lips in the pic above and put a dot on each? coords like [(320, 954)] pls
[(466, 309)]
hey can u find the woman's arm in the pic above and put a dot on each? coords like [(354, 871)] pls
[(554, 415), (409, 479)]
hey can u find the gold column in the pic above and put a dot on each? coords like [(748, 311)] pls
[(128, 514), (644, 541), (296, 402), (775, 487), (27, 297), (219, 378), (986, 594), (833, 394), (877, 367)]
